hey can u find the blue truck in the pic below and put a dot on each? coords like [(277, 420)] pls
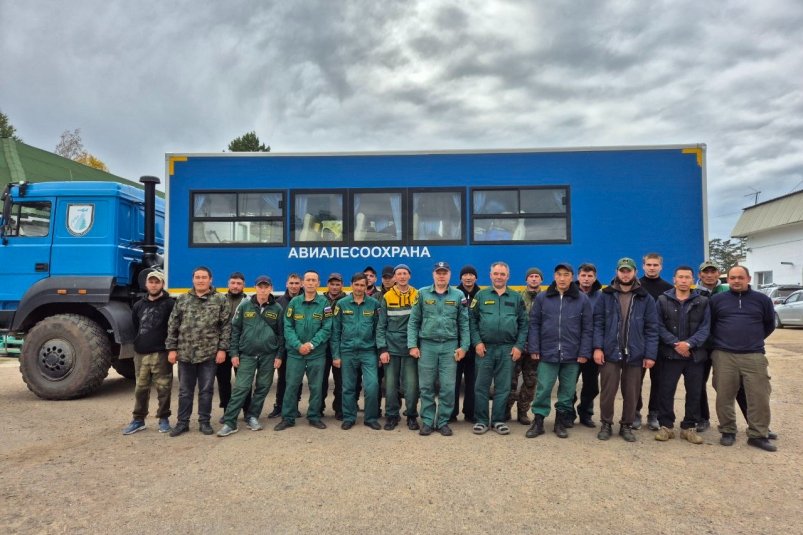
[(76, 253)]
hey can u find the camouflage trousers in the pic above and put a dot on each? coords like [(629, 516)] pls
[(522, 396), (153, 369)]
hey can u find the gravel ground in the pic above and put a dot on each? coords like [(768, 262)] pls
[(66, 467)]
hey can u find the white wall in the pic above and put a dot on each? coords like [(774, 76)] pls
[(766, 250)]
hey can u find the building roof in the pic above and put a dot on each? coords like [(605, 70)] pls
[(19, 162), (775, 213)]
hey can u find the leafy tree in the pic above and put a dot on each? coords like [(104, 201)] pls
[(726, 253), (70, 146), (6, 128), (248, 143)]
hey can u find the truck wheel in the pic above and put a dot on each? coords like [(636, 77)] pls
[(64, 357), (124, 367)]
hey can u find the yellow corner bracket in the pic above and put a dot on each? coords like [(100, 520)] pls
[(172, 163), (697, 151)]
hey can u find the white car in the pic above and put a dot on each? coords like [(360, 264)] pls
[(790, 310)]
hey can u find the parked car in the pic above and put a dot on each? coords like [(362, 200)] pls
[(790, 310), (779, 293)]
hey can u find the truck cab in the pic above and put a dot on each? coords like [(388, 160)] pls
[(75, 255)]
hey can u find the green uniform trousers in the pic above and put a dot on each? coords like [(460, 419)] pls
[(751, 368), (406, 367), (296, 368), (351, 364), (566, 375), (252, 370), (496, 366), (437, 365)]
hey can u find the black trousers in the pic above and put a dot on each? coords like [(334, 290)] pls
[(655, 380), (589, 371), (671, 371), (337, 394), (223, 375), (190, 375), (466, 370), (281, 385)]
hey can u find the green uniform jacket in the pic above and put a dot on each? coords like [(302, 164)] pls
[(354, 326), (199, 327), (439, 318), (257, 336), (498, 319), (307, 321), (394, 315)]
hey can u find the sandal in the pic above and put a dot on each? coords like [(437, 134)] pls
[(480, 429), (501, 428)]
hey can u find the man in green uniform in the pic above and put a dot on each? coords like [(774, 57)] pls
[(354, 350), (256, 349), (307, 328), (498, 323), (438, 335)]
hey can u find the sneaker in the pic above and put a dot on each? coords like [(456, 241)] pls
[(691, 435), (205, 428), (626, 432), (703, 426), (226, 431), (253, 424), (164, 425), (652, 422), (762, 443), (275, 413), (666, 433), (391, 423), (605, 432), (180, 428), (133, 427), (637, 422)]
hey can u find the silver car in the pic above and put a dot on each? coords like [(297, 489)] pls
[(790, 311)]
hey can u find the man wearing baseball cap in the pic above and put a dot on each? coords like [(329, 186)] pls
[(256, 349), (438, 335), (625, 341)]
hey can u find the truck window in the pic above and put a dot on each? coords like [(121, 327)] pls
[(378, 216), (238, 218), (437, 215), (521, 215), (30, 219)]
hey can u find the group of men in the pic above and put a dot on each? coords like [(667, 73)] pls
[(428, 341)]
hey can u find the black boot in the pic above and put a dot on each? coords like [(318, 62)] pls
[(568, 419), (560, 426), (537, 428)]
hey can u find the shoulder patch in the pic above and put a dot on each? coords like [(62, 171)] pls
[(289, 312), (474, 303)]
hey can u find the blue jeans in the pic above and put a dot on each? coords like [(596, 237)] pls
[(202, 374)]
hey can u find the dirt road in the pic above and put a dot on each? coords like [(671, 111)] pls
[(65, 467)]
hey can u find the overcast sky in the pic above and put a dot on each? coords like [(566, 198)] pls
[(144, 78)]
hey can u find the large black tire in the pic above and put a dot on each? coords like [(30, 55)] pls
[(65, 356), (124, 367)]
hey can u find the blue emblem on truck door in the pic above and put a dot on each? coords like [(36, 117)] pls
[(80, 218)]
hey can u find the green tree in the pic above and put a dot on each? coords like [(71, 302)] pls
[(726, 253), (248, 143), (7, 129)]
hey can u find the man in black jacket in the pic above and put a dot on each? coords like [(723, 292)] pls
[(150, 315), (684, 323)]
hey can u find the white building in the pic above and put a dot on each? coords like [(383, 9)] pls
[(774, 240)]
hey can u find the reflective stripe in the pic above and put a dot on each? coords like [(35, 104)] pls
[(399, 312)]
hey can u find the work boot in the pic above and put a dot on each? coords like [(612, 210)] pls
[(523, 418), (727, 439), (666, 433), (626, 432), (275, 413), (205, 428), (652, 421), (181, 427), (537, 428), (762, 443), (771, 435), (284, 424), (560, 427), (412, 423), (605, 432), (587, 421), (691, 435), (391, 422), (567, 418)]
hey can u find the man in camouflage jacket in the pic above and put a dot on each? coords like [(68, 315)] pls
[(198, 335)]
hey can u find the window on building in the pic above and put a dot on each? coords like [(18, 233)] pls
[(527, 215), (378, 216), (763, 278), (318, 217), (437, 215), (30, 219), (238, 218)]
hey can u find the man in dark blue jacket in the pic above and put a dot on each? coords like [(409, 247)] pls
[(589, 285), (561, 327), (741, 319), (625, 341), (684, 323)]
